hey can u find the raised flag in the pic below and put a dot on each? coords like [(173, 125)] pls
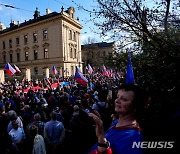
[(80, 78), (48, 82), (90, 70), (54, 70), (9, 69), (17, 69), (104, 71), (129, 72)]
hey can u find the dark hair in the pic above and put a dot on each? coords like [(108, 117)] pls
[(33, 130), (140, 98), (53, 115)]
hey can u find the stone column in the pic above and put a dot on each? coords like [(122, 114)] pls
[(28, 74), (47, 72), (60, 72), (2, 79)]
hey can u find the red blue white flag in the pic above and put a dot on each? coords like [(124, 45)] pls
[(90, 70), (17, 69), (9, 69), (104, 71), (54, 70), (80, 78)]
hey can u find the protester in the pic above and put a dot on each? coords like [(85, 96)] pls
[(38, 145), (124, 131), (54, 134)]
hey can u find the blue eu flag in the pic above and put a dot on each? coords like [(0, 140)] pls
[(129, 72)]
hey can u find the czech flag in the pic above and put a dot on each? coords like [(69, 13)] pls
[(129, 72), (9, 69), (17, 69), (54, 70), (80, 78), (90, 70), (104, 71)]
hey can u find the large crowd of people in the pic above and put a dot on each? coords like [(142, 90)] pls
[(70, 117)]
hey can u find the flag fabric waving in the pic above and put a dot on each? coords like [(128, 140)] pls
[(17, 69), (104, 71), (54, 70), (9, 69), (129, 72), (80, 78), (90, 70)]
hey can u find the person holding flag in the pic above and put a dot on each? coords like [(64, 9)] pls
[(9, 69), (80, 78)]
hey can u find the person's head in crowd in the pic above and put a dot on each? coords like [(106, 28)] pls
[(33, 130), (27, 108), (7, 105), (15, 124), (76, 108), (53, 115), (131, 101), (37, 117), (12, 115)]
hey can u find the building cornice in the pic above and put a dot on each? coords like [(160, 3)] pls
[(35, 23)]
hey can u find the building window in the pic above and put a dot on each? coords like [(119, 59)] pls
[(4, 45), (18, 57), (46, 53), (10, 43), (71, 53), (11, 58), (45, 34), (4, 58), (35, 55), (26, 56), (25, 39), (74, 36), (17, 40), (35, 70), (34, 37), (70, 34), (75, 53)]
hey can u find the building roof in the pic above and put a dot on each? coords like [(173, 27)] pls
[(31, 21), (100, 44), (36, 19)]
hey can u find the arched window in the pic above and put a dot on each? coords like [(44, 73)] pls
[(34, 37), (45, 34), (26, 56), (18, 57), (70, 34), (46, 53)]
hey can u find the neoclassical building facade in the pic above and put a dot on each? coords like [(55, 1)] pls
[(43, 42), (95, 54)]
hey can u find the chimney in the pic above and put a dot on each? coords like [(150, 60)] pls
[(48, 11)]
